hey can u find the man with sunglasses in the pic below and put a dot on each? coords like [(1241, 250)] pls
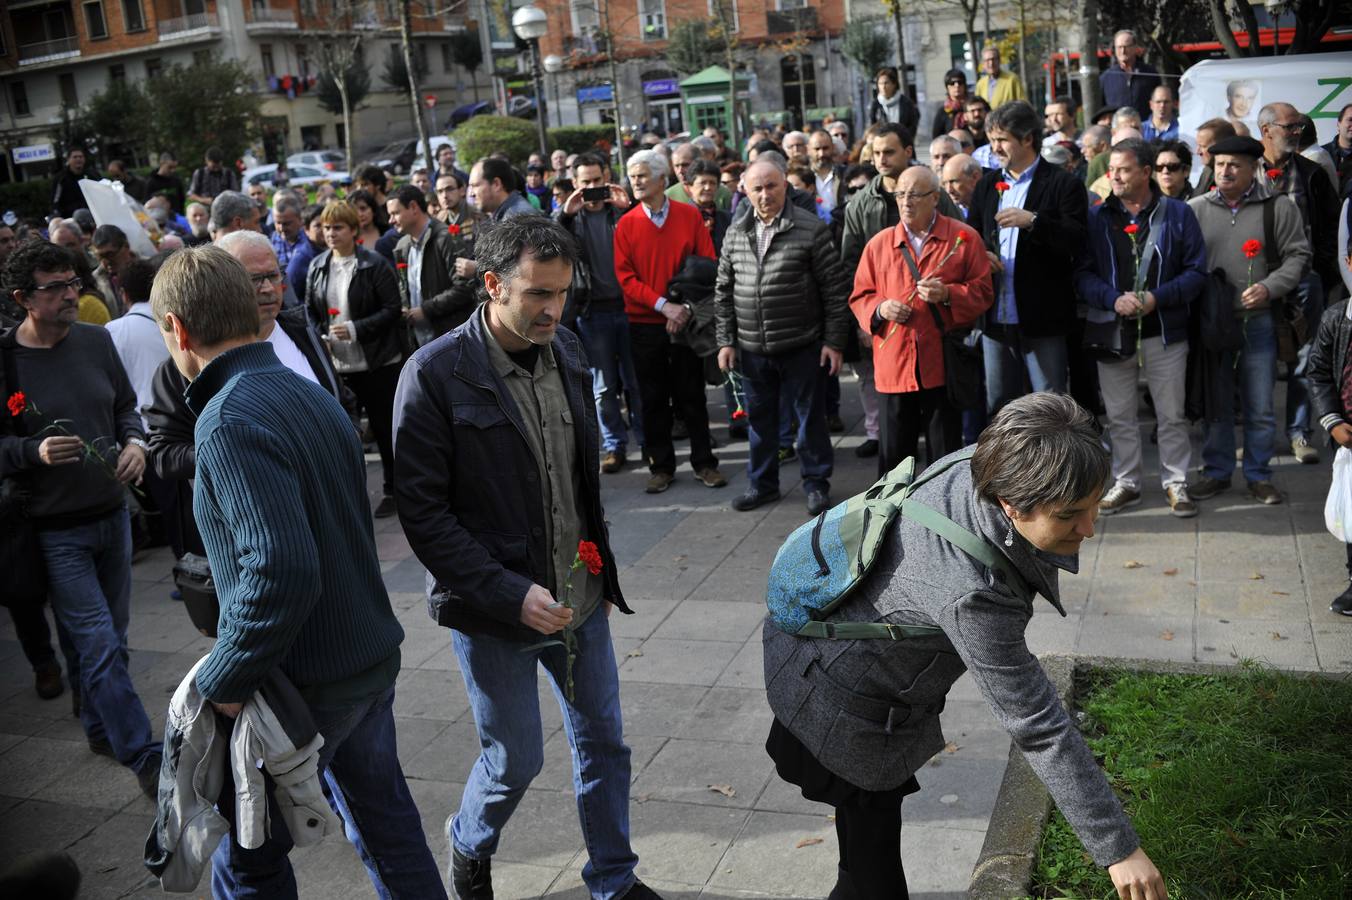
[(63, 370), (1305, 182)]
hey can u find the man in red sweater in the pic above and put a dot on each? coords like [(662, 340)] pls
[(652, 241)]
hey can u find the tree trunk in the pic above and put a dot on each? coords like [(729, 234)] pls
[(985, 34), (474, 83), (1023, 49), (1251, 26), (1090, 98), (969, 22), (347, 121), (901, 48), (614, 86), (726, 25), (414, 95), (1220, 23)]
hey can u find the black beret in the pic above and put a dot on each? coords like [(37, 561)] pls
[(1238, 145)]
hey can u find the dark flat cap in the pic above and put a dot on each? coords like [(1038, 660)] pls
[(1237, 146)]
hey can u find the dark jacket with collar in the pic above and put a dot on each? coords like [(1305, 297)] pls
[(1179, 264), (516, 204), (910, 115), (866, 215), (66, 194), (1122, 88), (447, 298), (793, 297), (897, 689), (1321, 199), (372, 303), (469, 488), (1048, 251), (1328, 359)]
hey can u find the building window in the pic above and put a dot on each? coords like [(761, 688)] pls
[(117, 73), (94, 21), (265, 54), (69, 96), (18, 98), (133, 16), (307, 8), (447, 58), (800, 82), (302, 61), (154, 67), (653, 19), (586, 17), (421, 50), (790, 4), (730, 8)]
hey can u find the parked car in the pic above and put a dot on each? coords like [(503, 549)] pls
[(521, 106), (401, 157), (298, 176), (328, 160), (464, 113)]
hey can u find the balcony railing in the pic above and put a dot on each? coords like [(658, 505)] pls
[(267, 18), (62, 46), (172, 28), (787, 21)]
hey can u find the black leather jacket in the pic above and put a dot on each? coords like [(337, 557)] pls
[(469, 488), (372, 302), (1328, 359)]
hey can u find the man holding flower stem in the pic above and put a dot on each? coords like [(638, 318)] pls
[(1146, 263), (497, 456)]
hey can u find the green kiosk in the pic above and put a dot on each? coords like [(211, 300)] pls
[(705, 96)]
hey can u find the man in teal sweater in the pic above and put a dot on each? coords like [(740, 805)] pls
[(280, 500)]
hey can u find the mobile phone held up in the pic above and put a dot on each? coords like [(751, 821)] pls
[(595, 194)]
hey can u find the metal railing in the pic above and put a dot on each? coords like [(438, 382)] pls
[(184, 24), (68, 44), (271, 15)]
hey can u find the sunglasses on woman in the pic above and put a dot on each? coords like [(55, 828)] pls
[(1169, 167)]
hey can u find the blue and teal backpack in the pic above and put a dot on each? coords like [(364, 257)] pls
[(825, 559)]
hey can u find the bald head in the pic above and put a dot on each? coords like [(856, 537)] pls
[(959, 178), (1122, 134)]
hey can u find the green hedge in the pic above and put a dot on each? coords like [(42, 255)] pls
[(580, 138), (29, 199), (482, 135)]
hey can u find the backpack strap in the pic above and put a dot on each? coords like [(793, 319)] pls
[(854, 631), (976, 547)]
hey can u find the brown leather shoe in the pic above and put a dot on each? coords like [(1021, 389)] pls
[(612, 462), (47, 681), (659, 482), (711, 477)]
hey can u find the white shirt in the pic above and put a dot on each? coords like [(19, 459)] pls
[(289, 354), (826, 188), (141, 348)]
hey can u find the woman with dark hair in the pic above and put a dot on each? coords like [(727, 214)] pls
[(353, 299), (368, 225), (891, 104), (855, 719), (953, 113), (1173, 164)]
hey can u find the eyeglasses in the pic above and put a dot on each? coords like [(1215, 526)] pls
[(1293, 127), (912, 196), (955, 81), (58, 286), (1169, 167), (273, 278)]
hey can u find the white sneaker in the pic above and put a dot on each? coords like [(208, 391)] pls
[(1303, 452), (1117, 499)]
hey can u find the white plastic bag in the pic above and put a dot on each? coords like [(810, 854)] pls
[(112, 206), (1338, 506)]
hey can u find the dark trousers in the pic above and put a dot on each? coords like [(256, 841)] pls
[(375, 390), (35, 636), (670, 376), (792, 379), (909, 415), (870, 852)]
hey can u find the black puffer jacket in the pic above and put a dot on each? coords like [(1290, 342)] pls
[(373, 303), (796, 296)]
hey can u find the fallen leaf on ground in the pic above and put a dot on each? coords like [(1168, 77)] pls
[(1278, 636), (951, 747), (643, 798), (1166, 635), (1132, 564), (1282, 593), (726, 790), (1256, 576), (633, 653), (831, 818), (807, 842), (1170, 571)]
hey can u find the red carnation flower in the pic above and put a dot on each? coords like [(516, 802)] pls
[(1274, 173), (738, 415), (402, 265), (333, 311), (359, 242), (452, 229), (1002, 186), (17, 403), (588, 553), (1252, 247), (1132, 228)]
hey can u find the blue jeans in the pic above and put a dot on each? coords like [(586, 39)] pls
[(605, 336), (1015, 364), (1311, 298), (500, 679), (89, 586), (1257, 372), (792, 380), (365, 785)]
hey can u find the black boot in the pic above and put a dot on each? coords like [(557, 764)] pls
[(471, 879)]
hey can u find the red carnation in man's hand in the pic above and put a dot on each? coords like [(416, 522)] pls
[(1132, 228), (17, 403), (1252, 247), (1274, 173), (333, 311), (591, 556), (453, 229), (738, 415), (1002, 186)]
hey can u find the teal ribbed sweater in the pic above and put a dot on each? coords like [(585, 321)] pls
[(281, 503)]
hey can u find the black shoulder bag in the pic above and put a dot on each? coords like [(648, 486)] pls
[(962, 362), (20, 551)]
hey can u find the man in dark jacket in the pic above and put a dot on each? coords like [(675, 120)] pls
[(1150, 312), (780, 305), (66, 194), (499, 495), (436, 299), (1031, 217), (1128, 81)]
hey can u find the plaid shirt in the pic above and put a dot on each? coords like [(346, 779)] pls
[(283, 249), (764, 232)]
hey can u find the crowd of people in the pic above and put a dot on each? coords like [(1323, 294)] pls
[(227, 385)]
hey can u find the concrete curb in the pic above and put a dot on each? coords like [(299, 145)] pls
[(1004, 868)]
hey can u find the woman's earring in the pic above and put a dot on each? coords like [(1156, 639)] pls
[(1009, 535)]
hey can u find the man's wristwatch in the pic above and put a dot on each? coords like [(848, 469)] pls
[(137, 442), (1032, 221)]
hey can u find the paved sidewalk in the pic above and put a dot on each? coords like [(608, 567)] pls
[(708, 816)]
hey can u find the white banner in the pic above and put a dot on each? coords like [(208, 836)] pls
[(1317, 84), (111, 206)]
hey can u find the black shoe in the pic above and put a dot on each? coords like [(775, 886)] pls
[(149, 776), (751, 499), (1342, 604), (867, 449), (640, 891), (817, 502), (834, 424), (386, 507), (471, 879), (102, 747), (47, 681), (1208, 487), (737, 431)]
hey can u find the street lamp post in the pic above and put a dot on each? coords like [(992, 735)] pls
[(554, 65), (530, 24)]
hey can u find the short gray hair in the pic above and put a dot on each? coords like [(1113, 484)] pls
[(795, 134), (209, 291), (228, 206), (1124, 113), (952, 143), (1042, 449), (1269, 113), (287, 201), (968, 165), (241, 239), (704, 144), (1135, 41), (1138, 148), (770, 158), (655, 162), (1098, 134)]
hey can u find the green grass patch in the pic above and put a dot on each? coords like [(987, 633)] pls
[(1240, 786)]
